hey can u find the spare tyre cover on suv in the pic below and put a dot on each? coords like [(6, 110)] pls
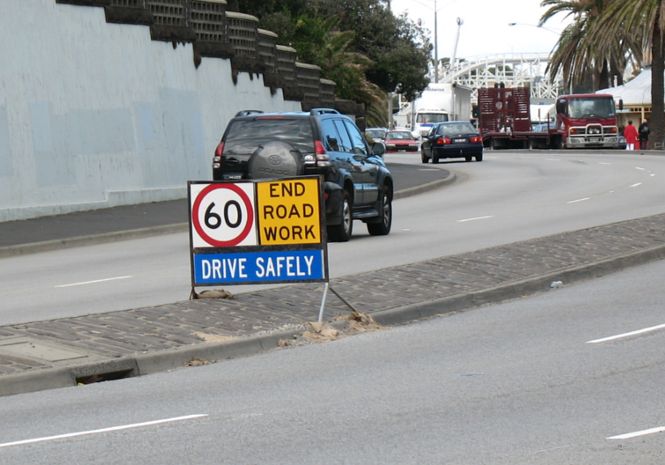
[(275, 159)]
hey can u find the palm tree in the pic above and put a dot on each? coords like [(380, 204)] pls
[(645, 19), (578, 54), (348, 69)]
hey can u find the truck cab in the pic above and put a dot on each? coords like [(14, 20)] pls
[(587, 120), (425, 119)]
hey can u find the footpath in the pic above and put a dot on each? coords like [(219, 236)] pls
[(98, 347)]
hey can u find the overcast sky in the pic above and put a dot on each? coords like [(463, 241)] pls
[(485, 29)]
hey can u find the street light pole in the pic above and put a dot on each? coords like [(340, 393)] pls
[(436, 46)]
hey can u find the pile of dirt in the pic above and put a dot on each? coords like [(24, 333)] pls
[(358, 322), (212, 294), (320, 332), (344, 325)]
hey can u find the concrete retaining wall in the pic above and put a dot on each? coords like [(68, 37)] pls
[(95, 115)]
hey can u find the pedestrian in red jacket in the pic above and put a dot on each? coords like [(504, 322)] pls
[(630, 133)]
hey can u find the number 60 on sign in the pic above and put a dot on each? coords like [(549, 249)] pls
[(222, 215)]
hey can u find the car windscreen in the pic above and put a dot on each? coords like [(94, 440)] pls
[(244, 136), (591, 107), (399, 135), (376, 133), (456, 129), (423, 117)]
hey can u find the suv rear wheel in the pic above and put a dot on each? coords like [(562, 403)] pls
[(382, 227), (342, 232)]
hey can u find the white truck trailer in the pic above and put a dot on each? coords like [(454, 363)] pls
[(437, 103)]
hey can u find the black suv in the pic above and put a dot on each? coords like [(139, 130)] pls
[(357, 183)]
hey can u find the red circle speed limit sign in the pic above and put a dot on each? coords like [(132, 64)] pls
[(223, 215)]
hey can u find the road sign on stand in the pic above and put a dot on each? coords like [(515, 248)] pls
[(257, 232)]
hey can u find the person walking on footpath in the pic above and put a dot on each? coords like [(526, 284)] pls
[(644, 134), (630, 133)]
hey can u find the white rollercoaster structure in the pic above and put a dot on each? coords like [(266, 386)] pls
[(513, 70)]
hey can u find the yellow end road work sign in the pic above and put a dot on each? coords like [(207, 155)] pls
[(288, 212)]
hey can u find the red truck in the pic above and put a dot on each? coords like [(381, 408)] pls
[(587, 121), (580, 120)]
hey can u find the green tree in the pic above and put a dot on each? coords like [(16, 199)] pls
[(262, 8), (359, 44), (402, 62), (397, 47)]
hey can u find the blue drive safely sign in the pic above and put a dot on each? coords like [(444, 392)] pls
[(259, 267)]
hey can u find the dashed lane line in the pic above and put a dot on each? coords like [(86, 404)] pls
[(102, 430), (584, 199), (476, 218), (636, 434), (83, 283), (629, 334)]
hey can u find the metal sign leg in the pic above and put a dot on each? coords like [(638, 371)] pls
[(323, 301)]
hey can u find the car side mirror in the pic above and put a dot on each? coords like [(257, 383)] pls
[(378, 149)]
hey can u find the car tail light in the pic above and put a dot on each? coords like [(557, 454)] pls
[(443, 140), (219, 155), (219, 151), (322, 158), (475, 139)]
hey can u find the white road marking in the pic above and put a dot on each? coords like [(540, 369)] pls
[(640, 168), (578, 200), (604, 163), (636, 184), (636, 434), (465, 220), (632, 333), (652, 174), (83, 283), (103, 430)]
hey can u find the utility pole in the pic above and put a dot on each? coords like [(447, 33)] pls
[(436, 45)]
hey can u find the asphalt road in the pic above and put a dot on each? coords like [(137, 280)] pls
[(506, 198), (532, 381)]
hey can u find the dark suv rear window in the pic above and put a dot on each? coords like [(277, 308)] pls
[(244, 136)]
